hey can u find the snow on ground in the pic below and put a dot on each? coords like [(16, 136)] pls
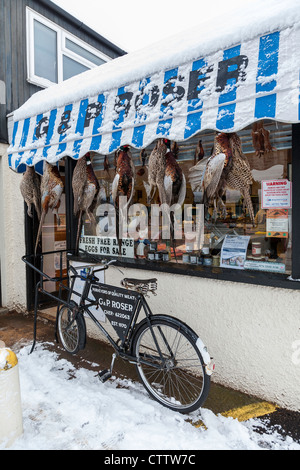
[(69, 409)]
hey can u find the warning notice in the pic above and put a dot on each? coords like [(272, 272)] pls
[(276, 194)]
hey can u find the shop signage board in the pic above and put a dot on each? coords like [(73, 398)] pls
[(276, 194), (223, 91), (117, 304)]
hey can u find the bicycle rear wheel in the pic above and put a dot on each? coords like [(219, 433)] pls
[(71, 329), (171, 366)]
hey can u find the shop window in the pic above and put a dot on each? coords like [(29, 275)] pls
[(53, 54), (236, 233)]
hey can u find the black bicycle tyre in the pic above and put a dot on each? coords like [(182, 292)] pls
[(192, 385), (72, 334)]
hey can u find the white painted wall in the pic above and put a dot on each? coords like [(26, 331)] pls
[(12, 240), (252, 332)]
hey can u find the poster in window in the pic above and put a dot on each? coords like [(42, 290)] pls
[(234, 251), (276, 194), (277, 223)]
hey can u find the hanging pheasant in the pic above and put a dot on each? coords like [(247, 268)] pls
[(175, 149), (174, 180), (52, 187), (174, 184), (261, 139), (199, 152), (123, 184), (228, 168), (85, 190), (240, 177), (106, 166), (31, 191), (143, 157), (166, 175), (141, 172), (156, 172)]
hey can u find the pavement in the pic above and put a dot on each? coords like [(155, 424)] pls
[(16, 329)]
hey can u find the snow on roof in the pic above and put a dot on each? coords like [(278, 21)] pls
[(249, 21)]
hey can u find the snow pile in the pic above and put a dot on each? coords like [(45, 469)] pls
[(65, 409), (243, 24)]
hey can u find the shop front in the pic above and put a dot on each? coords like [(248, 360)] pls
[(185, 166)]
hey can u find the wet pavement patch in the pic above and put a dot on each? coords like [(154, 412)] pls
[(285, 422)]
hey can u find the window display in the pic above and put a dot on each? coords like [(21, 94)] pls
[(216, 200)]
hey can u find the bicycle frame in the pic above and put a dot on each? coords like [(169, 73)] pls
[(125, 339), (124, 348), (139, 342)]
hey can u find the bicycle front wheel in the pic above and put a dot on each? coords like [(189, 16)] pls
[(170, 365), (71, 329)]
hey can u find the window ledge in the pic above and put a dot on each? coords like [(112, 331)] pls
[(259, 278)]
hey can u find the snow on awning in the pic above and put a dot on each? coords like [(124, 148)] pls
[(223, 91)]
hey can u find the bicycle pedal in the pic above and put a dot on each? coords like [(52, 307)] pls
[(104, 375)]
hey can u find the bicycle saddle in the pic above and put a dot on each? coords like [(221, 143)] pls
[(140, 285)]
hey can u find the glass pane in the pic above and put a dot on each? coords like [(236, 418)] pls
[(45, 52), (83, 52), (71, 67)]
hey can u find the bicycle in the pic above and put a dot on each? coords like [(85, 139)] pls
[(171, 360)]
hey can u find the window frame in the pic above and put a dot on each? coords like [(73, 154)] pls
[(62, 50)]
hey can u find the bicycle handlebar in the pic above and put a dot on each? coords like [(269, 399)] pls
[(31, 261), (105, 266)]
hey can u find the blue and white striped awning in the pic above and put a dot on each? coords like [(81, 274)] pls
[(223, 91)]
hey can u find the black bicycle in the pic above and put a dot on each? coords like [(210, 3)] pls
[(171, 360)]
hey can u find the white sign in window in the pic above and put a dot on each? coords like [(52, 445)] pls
[(276, 194)]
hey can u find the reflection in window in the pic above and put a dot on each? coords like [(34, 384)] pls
[(45, 52), (72, 46), (72, 67)]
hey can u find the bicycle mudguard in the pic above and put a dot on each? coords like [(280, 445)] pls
[(208, 360), (175, 321)]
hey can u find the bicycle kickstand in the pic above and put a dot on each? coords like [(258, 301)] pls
[(106, 374)]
